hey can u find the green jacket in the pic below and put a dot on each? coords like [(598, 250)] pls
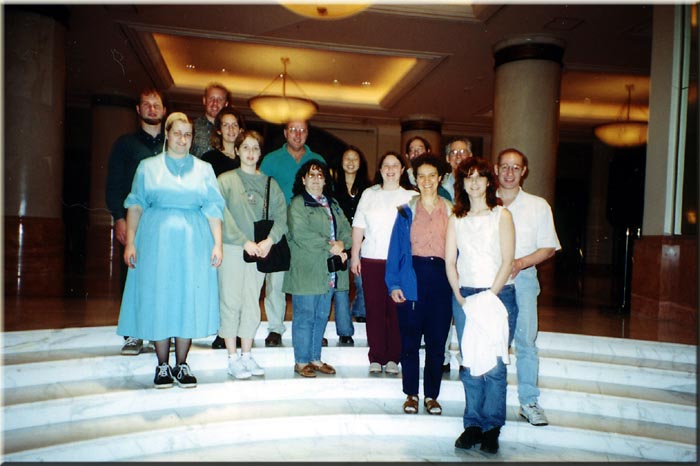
[(308, 235)]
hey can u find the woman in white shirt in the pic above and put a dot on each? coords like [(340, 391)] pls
[(371, 232), (479, 253)]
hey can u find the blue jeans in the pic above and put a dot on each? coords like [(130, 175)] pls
[(357, 308), (485, 395), (309, 319), (343, 320), (527, 363)]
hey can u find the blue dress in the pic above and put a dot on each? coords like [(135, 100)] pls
[(173, 291)]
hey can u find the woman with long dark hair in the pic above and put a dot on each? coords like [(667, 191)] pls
[(479, 253), (352, 178)]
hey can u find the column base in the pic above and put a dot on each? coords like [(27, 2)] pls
[(665, 278)]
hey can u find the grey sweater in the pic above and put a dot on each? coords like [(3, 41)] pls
[(244, 195)]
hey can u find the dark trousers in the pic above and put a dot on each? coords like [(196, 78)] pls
[(429, 317), (382, 325)]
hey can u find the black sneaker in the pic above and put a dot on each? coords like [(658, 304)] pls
[(183, 376), (346, 341), (164, 376), (489, 441), (360, 319), (470, 437), (273, 339), (218, 343)]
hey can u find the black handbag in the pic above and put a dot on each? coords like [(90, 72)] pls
[(279, 257)]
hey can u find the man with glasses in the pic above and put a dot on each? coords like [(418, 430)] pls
[(215, 98), (282, 165), (457, 150), (535, 241)]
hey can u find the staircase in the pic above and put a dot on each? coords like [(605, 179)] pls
[(68, 395)]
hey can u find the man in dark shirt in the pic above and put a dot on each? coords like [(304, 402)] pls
[(215, 98), (126, 154)]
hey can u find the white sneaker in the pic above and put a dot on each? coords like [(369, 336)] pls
[(375, 368), (391, 368), (534, 414), (237, 369), (132, 346), (252, 366)]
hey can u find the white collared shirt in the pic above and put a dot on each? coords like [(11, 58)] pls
[(534, 224)]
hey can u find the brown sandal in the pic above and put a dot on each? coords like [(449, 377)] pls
[(306, 370), (410, 406), (323, 368), (432, 406)]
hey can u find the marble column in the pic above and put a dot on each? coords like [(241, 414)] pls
[(429, 127), (526, 105), (665, 274), (34, 105), (112, 116)]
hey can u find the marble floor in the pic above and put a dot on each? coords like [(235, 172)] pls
[(585, 306)]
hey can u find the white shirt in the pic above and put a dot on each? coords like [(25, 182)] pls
[(479, 245), (485, 336), (534, 224), (376, 213)]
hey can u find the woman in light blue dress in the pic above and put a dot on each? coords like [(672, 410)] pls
[(173, 247)]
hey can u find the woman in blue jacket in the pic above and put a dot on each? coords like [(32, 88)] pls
[(416, 280)]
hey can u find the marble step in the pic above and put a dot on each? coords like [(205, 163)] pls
[(68, 391), (362, 433)]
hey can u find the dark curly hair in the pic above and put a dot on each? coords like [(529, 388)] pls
[(304, 170), (463, 171), (433, 161)]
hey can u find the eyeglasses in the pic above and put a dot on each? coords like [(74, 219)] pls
[(297, 130), (416, 150), (318, 176), (514, 168), (460, 152)]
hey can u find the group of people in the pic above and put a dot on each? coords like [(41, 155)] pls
[(429, 241)]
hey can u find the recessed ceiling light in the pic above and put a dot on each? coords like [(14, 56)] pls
[(563, 24), (366, 83), (223, 70), (336, 82), (190, 67)]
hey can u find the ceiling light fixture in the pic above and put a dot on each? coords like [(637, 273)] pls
[(623, 133), (325, 10), (280, 109)]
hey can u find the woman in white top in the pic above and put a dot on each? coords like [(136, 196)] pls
[(479, 253), (371, 232)]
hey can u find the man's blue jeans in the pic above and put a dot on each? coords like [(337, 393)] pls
[(527, 363), (485, 394), (309, 319), (341, 309)]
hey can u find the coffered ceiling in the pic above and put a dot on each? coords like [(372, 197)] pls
[(384, 63)]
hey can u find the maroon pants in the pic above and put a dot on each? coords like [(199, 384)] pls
[(383, 337)]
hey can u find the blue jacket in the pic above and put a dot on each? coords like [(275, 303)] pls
[(399, 274)]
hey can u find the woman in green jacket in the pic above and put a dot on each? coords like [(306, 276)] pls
[(318, 232)]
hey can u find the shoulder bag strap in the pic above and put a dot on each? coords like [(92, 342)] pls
[(267, 199)]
